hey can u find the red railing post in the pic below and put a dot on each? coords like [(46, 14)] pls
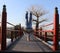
[(12, 36), (40, 32), (56, 30), (20, 29), (0, 35), (19, 32), (45, 37), (15, 34), (4, 20)]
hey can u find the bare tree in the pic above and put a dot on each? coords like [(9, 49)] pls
[(38, 12)]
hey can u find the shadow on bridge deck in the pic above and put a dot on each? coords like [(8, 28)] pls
[(34, 45)]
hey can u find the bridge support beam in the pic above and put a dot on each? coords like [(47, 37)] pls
[(56, 30)]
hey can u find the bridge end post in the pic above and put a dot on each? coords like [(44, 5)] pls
[(4, 20), (56, 30)]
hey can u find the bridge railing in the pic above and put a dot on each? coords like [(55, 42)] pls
[(48, 34), (4, 31), (55, 32), (12, 34)]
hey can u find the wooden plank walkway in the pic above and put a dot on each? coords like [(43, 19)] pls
[(33, 45)]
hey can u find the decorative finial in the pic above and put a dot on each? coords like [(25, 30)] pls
[(56, 7), (56, 10), (4, 7)]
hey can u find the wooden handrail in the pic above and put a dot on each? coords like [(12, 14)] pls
[(13, 30), (47, 25), (9, 23), (44, 31)]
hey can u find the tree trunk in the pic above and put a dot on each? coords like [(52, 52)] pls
[(37, 27)]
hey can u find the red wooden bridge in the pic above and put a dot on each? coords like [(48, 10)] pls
[(34, 43)]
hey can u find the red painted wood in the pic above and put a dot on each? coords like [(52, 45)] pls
[(40, 34), (56, 30), (45, 37), (4, 20), (47, 25), (44, 31), (0, 35)]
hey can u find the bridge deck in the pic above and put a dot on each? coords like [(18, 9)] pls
[(33, 45)]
